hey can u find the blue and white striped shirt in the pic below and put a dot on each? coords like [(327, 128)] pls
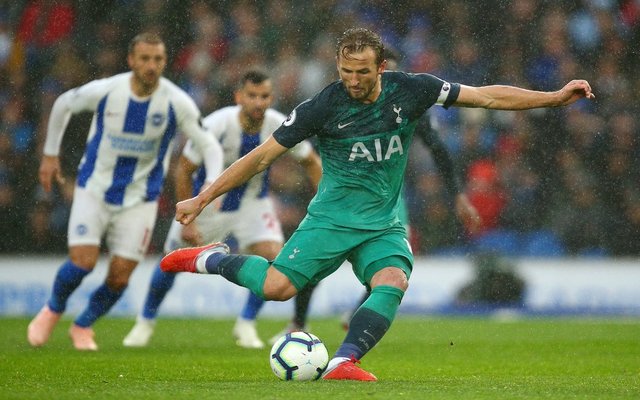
[(129, 144)]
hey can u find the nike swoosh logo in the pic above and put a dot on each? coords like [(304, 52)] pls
[(367, 332), (340, 126)]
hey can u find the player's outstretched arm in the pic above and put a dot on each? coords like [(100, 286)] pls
[(237, 174), (502, 97)]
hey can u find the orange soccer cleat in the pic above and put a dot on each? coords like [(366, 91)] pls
[(184, 260), (348, 370)]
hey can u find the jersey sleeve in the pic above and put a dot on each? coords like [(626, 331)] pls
[(213, 125), (302, 123), (87, 97), (433, 90), (191, 153), (209, 148), (74, 101)]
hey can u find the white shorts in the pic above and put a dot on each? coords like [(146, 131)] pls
[(128, 230), (255, 221)]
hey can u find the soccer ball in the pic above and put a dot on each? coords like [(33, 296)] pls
[(298, 356)]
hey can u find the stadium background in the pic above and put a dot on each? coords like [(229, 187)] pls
[(549, 183)]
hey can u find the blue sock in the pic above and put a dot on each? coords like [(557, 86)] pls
[(161, 283), (67, 280), (365, 330), (252, 307), (100, 303), (212, 263), (371, 321), (247, 271)]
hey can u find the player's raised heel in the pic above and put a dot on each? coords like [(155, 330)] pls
[(41, 326), (348, 370), (184, 260), (82, 338)]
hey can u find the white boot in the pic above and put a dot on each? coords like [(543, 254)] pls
[(140, 334), (246, 334)]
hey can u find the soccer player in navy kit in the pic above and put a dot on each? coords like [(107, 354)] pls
[(137, 114), (364, 125), (426, 131)]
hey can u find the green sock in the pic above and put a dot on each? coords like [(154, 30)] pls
[(384, 300), (247, 271), (371, 321)]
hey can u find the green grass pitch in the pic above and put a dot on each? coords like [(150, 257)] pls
[(420, 358)]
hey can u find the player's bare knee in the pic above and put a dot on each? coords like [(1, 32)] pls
[(277, 286), (117, 283), (279, 291), (84, 257), (117, 280), (277, 296), (390, 276), (120, 271), (83, 263)]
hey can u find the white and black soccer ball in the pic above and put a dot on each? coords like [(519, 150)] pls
[(298, 356)]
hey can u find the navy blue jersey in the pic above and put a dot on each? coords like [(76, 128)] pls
[(364, 147)]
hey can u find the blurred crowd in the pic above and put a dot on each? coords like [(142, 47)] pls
[(547, 182)]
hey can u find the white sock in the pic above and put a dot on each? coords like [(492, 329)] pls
[(335, 361), (201, 260)]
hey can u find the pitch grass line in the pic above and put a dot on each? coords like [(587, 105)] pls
[(420, 358)]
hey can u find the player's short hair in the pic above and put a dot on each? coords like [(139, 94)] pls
[(144, 37), (355, 40), (254, 76)]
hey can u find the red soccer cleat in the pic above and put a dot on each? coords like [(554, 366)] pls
[(184, 260), (348, 370)]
